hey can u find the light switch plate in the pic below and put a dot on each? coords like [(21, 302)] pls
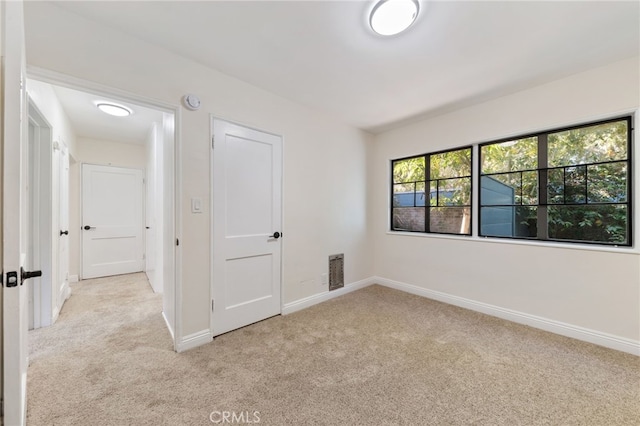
[(196, 205)]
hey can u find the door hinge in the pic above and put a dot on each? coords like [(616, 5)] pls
[(213, 142), (144, 256), (212, 305), (177, 242)]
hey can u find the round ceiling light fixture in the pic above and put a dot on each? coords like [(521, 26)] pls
[(390, 17), (114, 109)]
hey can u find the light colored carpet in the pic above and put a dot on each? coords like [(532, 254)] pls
[(373, 357)]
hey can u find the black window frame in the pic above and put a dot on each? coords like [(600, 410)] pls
[(427, 181), (543, 172)]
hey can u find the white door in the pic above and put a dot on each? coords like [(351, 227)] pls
[(14, 215), (247, 219), (112, 221)]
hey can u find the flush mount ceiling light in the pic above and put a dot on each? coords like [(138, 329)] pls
[(390, 17), (113, 109)]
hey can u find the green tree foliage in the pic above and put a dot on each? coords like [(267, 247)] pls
[(592, 144), (510, 156), (409, 170)]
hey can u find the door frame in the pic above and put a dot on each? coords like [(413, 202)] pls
[(212, 118), (62, 291), (42, 313), (173, 214)]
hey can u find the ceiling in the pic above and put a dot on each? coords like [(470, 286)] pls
[(322, 53), (89, 122)]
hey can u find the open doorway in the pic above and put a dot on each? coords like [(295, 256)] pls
[(86, 137)]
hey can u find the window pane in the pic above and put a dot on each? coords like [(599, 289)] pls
[(567, 185), (575, 191), (450, 164), (530, 188), (450, 220), (408, 219), (592, 144), (510, 156), (454, 192), (498, 190), (404, 195), (517, 221), (555, 186), (409, 170), (433, 194), (600, 223), (420, 195), (607, 183)]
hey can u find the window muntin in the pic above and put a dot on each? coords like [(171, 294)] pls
[(447, 175), (569, 185)]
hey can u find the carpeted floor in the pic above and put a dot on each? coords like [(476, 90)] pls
[(373, 357)]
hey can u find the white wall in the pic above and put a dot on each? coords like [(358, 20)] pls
[(586, 288), (47, 102), (111, 153), (325, 161)]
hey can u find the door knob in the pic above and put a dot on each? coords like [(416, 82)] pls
[(25, 275), (276, 235), (64, 233), (87, 227)]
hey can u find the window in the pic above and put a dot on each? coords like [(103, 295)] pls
[(567, 185), (432, 193)]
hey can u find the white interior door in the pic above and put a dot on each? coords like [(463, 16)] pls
[(247, 219), (112, 221), (14, 215)]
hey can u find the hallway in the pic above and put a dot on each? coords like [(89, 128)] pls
[(74, 370)]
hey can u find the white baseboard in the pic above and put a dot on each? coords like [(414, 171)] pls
[(205, 336), (169, 327), (65, 294), (298, 305), (66, 291), (73, 278), (55, 315), (194, 340), (557, 327)]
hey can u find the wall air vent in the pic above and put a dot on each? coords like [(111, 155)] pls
[(336, 271)]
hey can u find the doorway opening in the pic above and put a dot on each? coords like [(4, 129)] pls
[(81, 139)]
